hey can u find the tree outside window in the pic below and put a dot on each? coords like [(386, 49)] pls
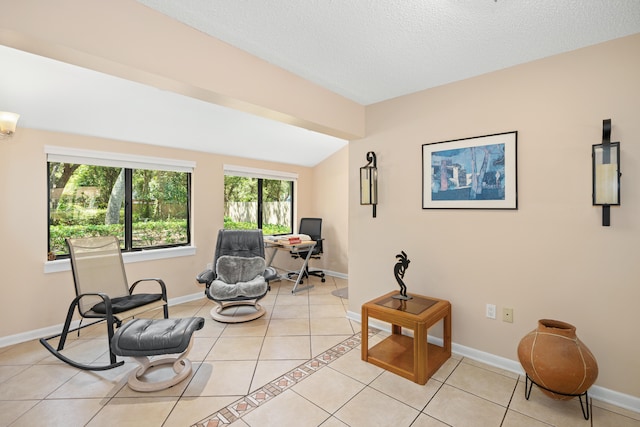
[(144, 208), (251, 203)]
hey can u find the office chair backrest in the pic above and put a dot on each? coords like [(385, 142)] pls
[(97, 266), (244, 243), (313, 228)]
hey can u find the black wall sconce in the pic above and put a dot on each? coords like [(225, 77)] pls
[(606, 173), (369, 182)]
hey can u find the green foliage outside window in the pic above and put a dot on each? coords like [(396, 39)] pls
[(267, 229), (246, 197), (87, 200)]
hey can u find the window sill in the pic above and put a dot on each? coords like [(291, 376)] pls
[(128, 257)]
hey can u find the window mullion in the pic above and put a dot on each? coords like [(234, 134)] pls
[(128, 209), (188, 208), (292, 204), (260, 208)]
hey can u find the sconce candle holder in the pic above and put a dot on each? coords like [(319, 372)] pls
[(369, 182), (606, 173)]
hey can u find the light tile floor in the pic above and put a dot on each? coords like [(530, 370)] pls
[(298, 366)]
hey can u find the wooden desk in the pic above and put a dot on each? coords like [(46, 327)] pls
[(303, 246), (412, 358)]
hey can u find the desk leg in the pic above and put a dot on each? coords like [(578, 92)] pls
[(272, 256), (364, 334), (302, 270)]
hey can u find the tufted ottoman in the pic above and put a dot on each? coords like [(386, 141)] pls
[(143, 338)]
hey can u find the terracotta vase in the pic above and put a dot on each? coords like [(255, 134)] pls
[(554, 358)]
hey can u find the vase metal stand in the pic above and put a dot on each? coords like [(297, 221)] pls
[(584, 406)]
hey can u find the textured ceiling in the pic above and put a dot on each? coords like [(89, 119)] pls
[(373, 50), (365, 50)]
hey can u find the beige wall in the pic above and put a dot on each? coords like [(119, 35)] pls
[(551, 258), (127, 39), (34, 300), (330, 202), (29, 298)]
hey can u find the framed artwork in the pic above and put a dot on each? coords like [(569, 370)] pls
[(471, 173)]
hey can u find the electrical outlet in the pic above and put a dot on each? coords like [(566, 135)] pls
[(491, 311), (507, 315)]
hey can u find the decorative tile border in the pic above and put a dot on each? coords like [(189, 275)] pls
[(248, 403)]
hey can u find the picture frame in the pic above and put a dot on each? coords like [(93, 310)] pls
[(471, 173)]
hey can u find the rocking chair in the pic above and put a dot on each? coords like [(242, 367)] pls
[(102, 293)]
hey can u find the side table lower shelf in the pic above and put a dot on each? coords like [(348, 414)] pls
[(395, 354)]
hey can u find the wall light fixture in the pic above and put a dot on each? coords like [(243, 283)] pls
[(8, 123), (369, 182), (606, 173)]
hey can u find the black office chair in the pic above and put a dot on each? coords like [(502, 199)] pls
[(312, 227)]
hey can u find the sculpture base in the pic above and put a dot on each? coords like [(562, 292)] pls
[(402, 297)]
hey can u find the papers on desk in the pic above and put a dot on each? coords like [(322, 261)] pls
[(289, 239)]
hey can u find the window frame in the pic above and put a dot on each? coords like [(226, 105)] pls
[(130, 163), (260, 175)]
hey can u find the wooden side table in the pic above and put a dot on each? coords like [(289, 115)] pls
[(412, 358)]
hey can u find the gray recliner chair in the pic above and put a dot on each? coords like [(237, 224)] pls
[(239, 276)]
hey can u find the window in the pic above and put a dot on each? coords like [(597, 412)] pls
[(145, 202), (258, 199)]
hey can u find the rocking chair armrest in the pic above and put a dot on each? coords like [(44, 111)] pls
[(105, 298), (206, 277), (160, 282)]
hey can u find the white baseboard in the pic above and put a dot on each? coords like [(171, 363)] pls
[(626, 401), (603, 394), (55, 329)]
